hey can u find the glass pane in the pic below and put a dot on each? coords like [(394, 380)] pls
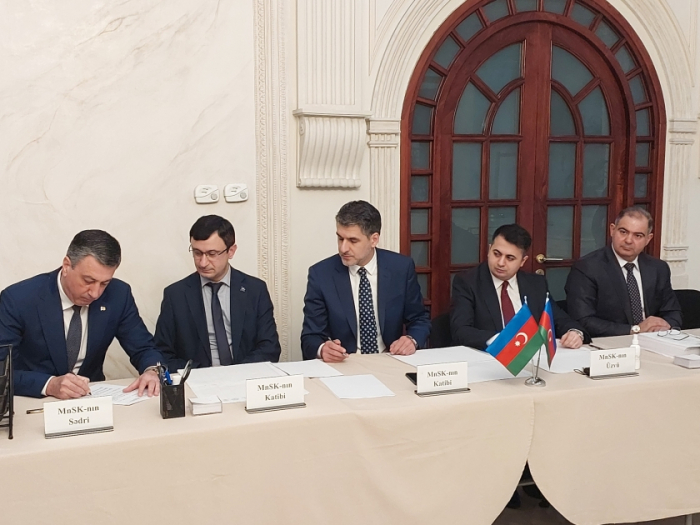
[(466, 171), (606, 34), (582, 15), (499, 217), (424, 283), (555, 6), (562, 166), (471, 111), (643, 123), (420, 188), (470, 27), (594, 226), (637, 88), (642, 154), (501, 68), (420, 155), (560, 231), (526, 5), (465, 235), (561, 121), (495, 10), (594, 113), (556, 280), (430, 85), (625, 59), (419, 222), (419, 252), (507, 121), (596, 159), (641, 181), (503, 172), (569, 70), (422, 117), (448, 50)]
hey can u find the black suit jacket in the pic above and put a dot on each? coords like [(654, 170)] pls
[(329, 307), (475, 316), (596, 293), (181, 331)]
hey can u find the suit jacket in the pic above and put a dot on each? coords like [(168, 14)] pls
[(31, 320), (329, 306), (181, 330), (475, 315), (596, 293)]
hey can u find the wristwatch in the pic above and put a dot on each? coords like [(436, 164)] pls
[(635, 329), (577, 332), (415, 343)]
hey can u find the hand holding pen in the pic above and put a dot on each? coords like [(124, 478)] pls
[(332, 351)]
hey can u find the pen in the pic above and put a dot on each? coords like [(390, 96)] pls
[(344, 353), (35, 411), (186, 372), (168, 379)]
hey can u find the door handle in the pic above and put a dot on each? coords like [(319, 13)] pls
[(541, 258)]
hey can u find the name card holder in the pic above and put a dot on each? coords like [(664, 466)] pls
[(274, 393), (614, 362), (73, 417), (441, 379)]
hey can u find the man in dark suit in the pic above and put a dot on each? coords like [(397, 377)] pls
[(60, 324), (362, 298), (618, 290), (485, 298), (217, 315)]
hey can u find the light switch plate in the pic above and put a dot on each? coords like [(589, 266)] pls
[(236, 192)]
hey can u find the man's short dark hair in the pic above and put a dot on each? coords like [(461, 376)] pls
[(514, 234), (100, 244), (636, 211), (209, 224), (362, 214)]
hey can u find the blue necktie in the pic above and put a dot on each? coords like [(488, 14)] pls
[(217, 315), (368, 324)]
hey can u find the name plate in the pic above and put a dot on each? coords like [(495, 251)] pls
[(274, 393), (442, 378), (612, 362), (78, 416)]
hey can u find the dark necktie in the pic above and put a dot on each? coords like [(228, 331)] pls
[(506, 305), (217, 315), (368, 325), (635, 297), (74, 337)]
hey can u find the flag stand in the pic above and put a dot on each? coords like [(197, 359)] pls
[(536, 381)]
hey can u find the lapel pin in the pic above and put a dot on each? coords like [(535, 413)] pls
[(242, 288), (103, 308)]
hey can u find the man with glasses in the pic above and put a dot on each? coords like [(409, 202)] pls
[(218, 315), (61, 323), (618, 289)]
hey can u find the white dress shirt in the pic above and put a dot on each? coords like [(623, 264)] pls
[(637, 275), (225, 300)]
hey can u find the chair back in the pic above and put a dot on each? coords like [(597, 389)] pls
[(690, 307), (440, 335)]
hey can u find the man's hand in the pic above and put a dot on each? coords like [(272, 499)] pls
[(69, 386), (147, 382), (333, 352), (653, 324), (571, 339), (403, 346)]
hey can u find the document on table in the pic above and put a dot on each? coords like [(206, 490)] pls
[(228, 382), (492, 370), (117, 393), (363, 386), (565, 360), (451, 354), (670, 345), (310, 368)]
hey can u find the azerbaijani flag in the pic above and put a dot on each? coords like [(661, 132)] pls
[(547, 330), (518, 341)]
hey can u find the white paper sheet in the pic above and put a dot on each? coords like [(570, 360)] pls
[(451, 354), (492, 370), (357, 387), (118, 396), (565, 360), (668, 346), (228, 382), (310, 368)]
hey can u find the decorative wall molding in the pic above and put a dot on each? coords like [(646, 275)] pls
[(331, 148), (272, 178), (384, 155)]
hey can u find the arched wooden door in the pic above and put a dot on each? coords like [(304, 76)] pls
[(529, 116)]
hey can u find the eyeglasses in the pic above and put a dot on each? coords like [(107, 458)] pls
[(212, 254), (673, 333)]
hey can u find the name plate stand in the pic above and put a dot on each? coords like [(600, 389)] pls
[(441, 379), (615, 362), (73, 417), (274, 393)]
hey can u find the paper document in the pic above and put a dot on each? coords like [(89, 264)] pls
[(228, 382), (565, 360), (357, 387), (310, 368), (670, 345), (451, 354), (492, 370), (117, 393)]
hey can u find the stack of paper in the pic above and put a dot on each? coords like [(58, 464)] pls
[(206, 405), (228, 382), (670, 345)]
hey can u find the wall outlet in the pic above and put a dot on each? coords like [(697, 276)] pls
[(236, 192), (206, 194)]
